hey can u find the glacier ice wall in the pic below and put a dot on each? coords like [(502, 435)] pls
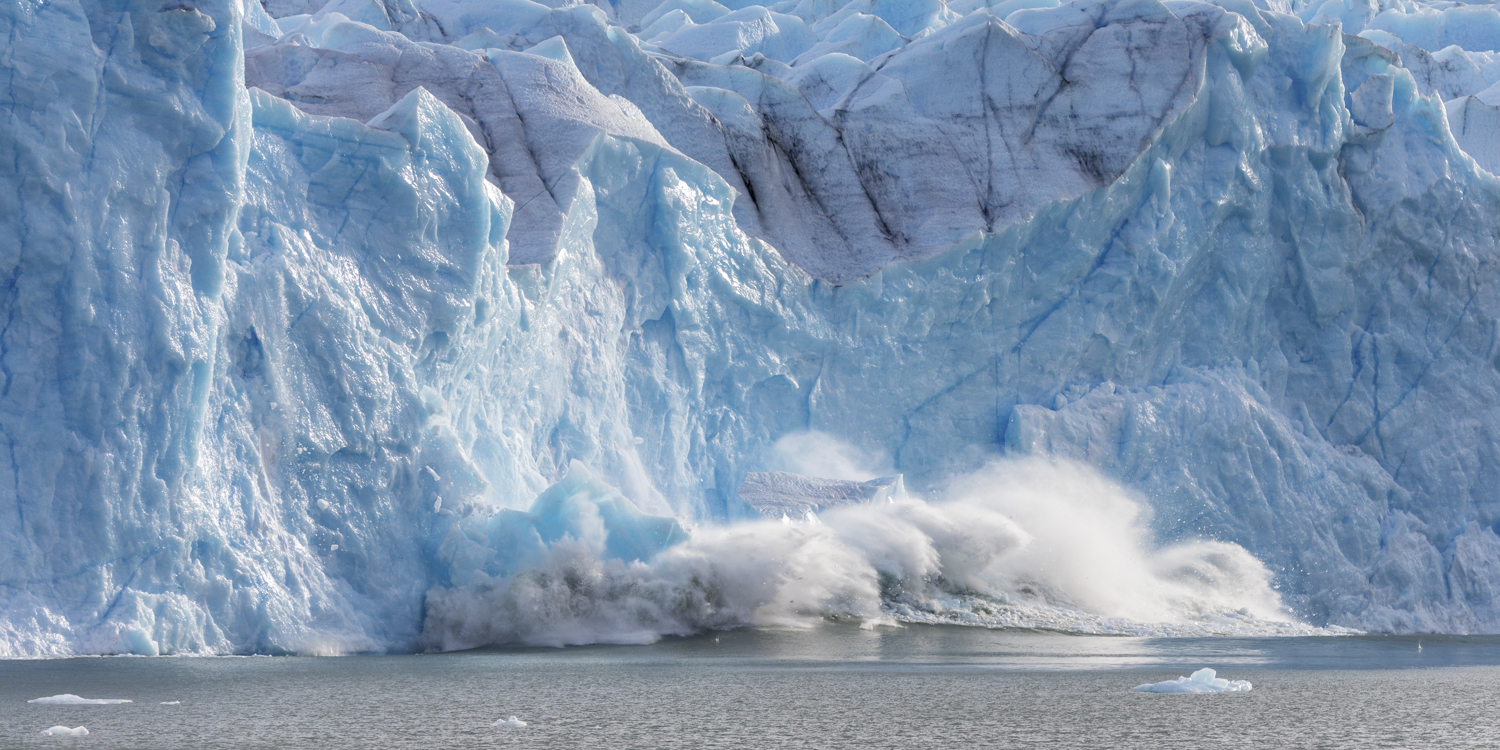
[(275, 357)]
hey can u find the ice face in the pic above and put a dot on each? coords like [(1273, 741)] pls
[(282, 365), (776, 494)]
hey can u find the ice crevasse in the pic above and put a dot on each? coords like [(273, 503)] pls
[(380, 325)]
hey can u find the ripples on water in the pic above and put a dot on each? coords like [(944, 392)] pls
[(830, 687)]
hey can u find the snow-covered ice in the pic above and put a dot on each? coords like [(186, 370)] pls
[(343, 326), (62, 731), (69, 699), (1202, 681)]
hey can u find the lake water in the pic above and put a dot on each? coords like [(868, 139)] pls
[(830, 687)]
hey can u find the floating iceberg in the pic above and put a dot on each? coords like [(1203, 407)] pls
[(1202, 681), (68, 699), (511, 722), (62, 731), (170, 703)]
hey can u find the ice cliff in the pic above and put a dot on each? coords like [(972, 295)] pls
[(396, 324)]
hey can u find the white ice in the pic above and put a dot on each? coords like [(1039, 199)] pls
[(68, 699), (511, 722), (62, 731), (1202, 681)]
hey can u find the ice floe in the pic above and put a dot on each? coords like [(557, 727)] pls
[(62, 731), (69, 699), (1202, 681)]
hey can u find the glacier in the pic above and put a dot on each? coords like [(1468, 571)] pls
[(388, 325)]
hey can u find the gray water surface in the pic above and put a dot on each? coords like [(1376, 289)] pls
[(830, 687)]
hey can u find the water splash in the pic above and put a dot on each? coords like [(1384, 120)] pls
[(1020, 543)]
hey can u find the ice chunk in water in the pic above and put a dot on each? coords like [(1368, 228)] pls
[(1203, 681), (585, 508), (171, 703), (62, 731), (69, 699), (511, 722)]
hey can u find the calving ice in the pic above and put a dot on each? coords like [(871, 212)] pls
[(1018, 544), (415, 324)]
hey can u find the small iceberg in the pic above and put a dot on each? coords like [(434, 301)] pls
[(511, 722), (1203, 681), (171, 703), (69, 699), (62, 731)]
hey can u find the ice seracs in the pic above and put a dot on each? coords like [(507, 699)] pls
[(1202, 681)]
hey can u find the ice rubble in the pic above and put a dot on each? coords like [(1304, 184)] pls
[(1203, 681), (277, 358)]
